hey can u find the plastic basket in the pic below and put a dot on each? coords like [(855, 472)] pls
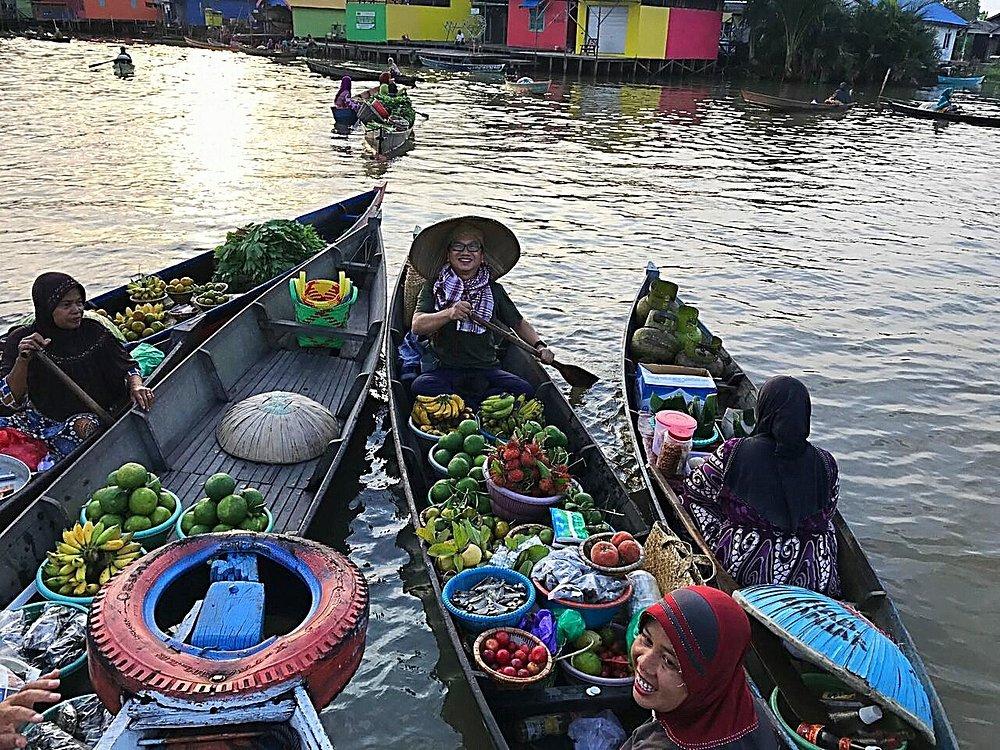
[(35, 610), (594, 615), (52, 596), (156, 536), (518, 637), (333, 317), (478, 623), (513, 506)]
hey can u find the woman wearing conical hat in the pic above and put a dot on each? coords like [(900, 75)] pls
[(461, 260)]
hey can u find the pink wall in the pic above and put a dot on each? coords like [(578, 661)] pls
[(552, 38), (693, 34)]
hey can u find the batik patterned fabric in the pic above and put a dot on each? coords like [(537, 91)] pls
[(751, 548), (61, 437)]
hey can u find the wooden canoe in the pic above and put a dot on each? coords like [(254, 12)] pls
[(501, 709), (791, 105), (457, 66), (928, 114), (331, 222), (860, 582), (356, 73), (388, 142), (123, 69), (260, 52), (254, 352), (535, 87), (202, 44), (972, 82)]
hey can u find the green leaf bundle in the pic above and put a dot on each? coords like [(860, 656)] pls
[(256, 253)]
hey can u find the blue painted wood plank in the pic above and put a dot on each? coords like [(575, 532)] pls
[(232, 617)]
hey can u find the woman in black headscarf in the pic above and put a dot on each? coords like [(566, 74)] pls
[(765, 504), (39, 403)]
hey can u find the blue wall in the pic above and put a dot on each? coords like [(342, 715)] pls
[(192, 13)]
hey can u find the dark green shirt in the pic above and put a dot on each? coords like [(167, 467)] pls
[(462, 349)]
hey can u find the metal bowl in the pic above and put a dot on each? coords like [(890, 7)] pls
[(20, 470)]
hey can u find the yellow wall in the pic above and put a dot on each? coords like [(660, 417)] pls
[(645, 36), (424, 22)]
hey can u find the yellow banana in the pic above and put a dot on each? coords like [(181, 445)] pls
[(66, 569), (112, 545), (105, 575), (130, 548), (88, 532), (69, 539), (67, 549), (80, 589), (426, 399), (91, 589), (80, 575)]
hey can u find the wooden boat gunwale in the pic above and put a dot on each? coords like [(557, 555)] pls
[(388, 143), (274, 54), (859, 580), (358, 74), (791, 105), (433, 63), (184, 338), (928, 114)]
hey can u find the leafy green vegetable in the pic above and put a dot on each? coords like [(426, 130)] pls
[(256, 253)]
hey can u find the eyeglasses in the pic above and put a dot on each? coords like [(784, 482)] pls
[(472, 247)]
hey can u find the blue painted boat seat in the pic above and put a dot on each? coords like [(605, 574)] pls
[(231, 617)]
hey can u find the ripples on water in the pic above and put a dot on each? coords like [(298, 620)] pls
[(859, 253)]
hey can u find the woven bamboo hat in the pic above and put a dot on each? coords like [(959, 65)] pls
[(277, 427), (429, 250)]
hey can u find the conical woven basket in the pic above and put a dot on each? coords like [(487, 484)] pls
[(411, 291), (277, 428)]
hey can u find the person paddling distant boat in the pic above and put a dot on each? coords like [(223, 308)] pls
[(842, 96), (123, 57), (461, 260)]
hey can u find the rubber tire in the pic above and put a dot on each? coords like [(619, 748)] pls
[(125, 658)]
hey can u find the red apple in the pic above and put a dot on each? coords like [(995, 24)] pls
[(492, 644), (539, 655), (517, 663), (620, 537), (503, 656), (503, 637), (534, 667), (522, 673)]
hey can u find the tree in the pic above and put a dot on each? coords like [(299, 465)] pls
[(797, 19), (967, 9)]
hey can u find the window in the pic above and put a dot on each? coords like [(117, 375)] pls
[(947, 40), (133, 3), (100, 3), (536, 19)]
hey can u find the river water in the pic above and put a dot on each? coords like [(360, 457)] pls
[(858, 253)]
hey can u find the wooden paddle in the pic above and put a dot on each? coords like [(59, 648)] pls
[(77, 391), (97, 65), (885, 80), (574, 375)]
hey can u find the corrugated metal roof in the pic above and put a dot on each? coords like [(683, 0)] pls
[(939, 14)]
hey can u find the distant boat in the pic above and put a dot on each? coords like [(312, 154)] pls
[(792, 105), (972, 82), (124, 69), (930, 114), (530, 87), (262, 52), (356, 73), (435, 63), (206, 44)]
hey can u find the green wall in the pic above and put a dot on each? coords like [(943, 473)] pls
[(316, 21), (24, 8), (377, 34)]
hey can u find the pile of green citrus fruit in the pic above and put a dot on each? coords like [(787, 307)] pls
[(461, 450), (224, 509), (133, 500)]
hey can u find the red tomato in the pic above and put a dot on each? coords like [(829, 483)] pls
[(492, 644), (503, 656), (539, 655), (503, 637), (509, 671)]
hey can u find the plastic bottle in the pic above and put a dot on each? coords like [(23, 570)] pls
[(536, 727), (645, 591)]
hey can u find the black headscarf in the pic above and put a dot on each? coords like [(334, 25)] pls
[(90, 355), (777, 470)]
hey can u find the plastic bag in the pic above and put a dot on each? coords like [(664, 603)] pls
[(47, 736), (601, 732), (147, 357), (542, 625), (12, 627), (568, 577), (569, 626), (56, 638), (23, 447), (85, 718)]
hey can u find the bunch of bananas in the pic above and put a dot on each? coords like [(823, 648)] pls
[(503, 414), (87, 557), (439, 415), (146, 288)]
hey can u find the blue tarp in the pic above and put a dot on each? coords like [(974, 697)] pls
[(531, 3)]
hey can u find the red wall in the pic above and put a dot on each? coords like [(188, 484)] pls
[(552, 38), (693, 34), (119, 10)]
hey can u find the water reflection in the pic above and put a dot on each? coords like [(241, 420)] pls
[(859, 252)]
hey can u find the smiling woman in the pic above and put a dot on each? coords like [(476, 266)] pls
[(688, 655)]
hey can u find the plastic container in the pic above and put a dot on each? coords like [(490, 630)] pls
[(478, 623), (681, 424), (182, 535), (673, 456), (574, 675), (34, 612), (423, 435), (817, 683), (331, 317), (513, 506), (594, 615), (156, 536), (52, 596), (645, 591), (441, 471)]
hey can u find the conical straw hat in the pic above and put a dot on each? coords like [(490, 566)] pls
[(277, 428), (429, 250)]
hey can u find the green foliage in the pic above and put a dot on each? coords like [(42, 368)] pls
[(829, 40), (258, 252), (967, 9)]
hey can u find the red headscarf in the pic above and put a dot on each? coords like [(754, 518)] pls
[(710, 634)]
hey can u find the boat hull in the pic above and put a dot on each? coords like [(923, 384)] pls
[(199, 44), (389, 143), (123, 70), (536, 87), (971, 82), (859, 581), (274, 55), (461, 67), (357, 74), (929, 114), (779, 104)]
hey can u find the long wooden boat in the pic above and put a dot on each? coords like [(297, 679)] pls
[(534, 87), (791, 105), (457, 66), (501, 710), (260, 52), (254, 352), (860, 583), (331, 222), (204, 44), (972, 82), (388, 142), (928, 114), (356, 73), (123, 69)]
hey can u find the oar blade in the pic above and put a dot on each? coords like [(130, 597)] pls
[(576, 376)]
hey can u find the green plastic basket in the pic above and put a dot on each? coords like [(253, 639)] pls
[(334, 317)]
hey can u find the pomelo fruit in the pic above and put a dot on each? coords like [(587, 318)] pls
[(219, 485), (458, 467), (167, 501), (137, 523), (160, 515), (94, 510), (199, 528), (112, 499), (588, 662), (232, 510), (474, 444), (468, 427), (143, 501), (131, 476), (205, 513), (187, 522)]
